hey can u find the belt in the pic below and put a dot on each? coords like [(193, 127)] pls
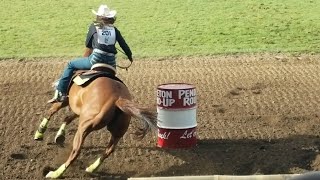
[(103, 52)]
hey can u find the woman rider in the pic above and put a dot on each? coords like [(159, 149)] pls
[(100, 48)]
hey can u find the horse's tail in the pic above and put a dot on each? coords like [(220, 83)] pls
[(147, 117)]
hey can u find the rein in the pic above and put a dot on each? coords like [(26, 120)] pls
[(125, 67)]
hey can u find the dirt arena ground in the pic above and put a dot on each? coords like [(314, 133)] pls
[(256, 114)]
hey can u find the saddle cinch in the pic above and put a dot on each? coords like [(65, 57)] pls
[(84, 77)]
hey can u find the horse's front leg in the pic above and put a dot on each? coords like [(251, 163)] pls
[(83, 130), (44, 123), (60, 136)]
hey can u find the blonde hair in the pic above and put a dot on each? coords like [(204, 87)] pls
[(102, 21)]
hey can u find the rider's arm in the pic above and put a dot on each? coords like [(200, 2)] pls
[(124, 46), (89, 41)]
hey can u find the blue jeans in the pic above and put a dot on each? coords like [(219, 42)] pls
[(84, 63)]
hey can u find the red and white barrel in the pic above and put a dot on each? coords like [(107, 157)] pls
[(176, 107)]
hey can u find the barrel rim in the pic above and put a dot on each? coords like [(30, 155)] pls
[(164, 84), (176, 128)]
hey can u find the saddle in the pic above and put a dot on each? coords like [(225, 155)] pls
[(84, 77)]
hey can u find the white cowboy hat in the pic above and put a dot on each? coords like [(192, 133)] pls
[(104, 11)]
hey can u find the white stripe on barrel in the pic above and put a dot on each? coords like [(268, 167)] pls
[(176, 107)]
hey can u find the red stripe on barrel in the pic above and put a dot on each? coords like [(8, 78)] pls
[(177, 138)]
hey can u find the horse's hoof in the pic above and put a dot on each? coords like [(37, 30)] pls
[(38, 139), (88, 170), (57, 173), (60, 139), (38, 136), (94, 166), (51, 175)]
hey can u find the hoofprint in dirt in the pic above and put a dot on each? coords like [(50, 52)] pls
[(256, 114)]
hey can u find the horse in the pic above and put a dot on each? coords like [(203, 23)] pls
[(103, 102)]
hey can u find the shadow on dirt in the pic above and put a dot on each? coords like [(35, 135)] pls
[(245, 157)]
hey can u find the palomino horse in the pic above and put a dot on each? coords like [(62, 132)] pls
[(104, 102)]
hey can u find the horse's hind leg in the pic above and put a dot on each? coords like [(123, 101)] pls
[(118, 128), (60, 136), (44, 123)]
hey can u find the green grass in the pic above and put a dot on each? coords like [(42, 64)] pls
[(158, 28)]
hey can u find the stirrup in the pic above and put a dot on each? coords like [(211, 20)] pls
[(58, 97)]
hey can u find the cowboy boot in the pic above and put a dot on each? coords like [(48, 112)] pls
[(58, 97)]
